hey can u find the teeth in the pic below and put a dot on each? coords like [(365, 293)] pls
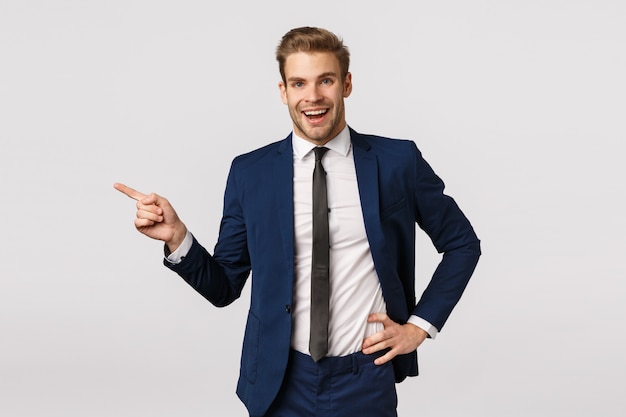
[(315, 112)]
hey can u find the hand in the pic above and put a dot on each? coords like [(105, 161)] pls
[(156, 218), (399, 338)]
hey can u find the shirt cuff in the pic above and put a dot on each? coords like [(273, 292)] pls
[(177, 256), (424, 325)]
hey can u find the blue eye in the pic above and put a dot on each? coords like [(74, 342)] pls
[(298, 84), (326, 81)]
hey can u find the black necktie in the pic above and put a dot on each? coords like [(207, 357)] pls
[(318, 341)]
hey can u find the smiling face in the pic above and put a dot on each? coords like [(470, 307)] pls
[(314, 91)]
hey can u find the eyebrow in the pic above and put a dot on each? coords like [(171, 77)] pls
[(323, 75)]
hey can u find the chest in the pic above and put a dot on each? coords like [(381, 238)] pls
[(345, 216)]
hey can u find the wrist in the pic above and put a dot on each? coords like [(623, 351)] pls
[(177, 238)]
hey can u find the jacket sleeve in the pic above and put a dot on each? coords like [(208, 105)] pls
[(452, 235), (220, 277)]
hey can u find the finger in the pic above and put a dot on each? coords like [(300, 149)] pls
[(151, 199), (141, 223), (130, 192), (377, 318), (385, 358), (378, 346), (150, 207), (149, 215), (374, 340)]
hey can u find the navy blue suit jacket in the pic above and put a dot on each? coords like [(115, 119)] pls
[(398, 190)]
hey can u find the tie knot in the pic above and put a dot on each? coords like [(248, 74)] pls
[(319, 152)]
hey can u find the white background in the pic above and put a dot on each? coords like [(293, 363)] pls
[(518, 105)]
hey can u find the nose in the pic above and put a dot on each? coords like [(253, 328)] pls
[(314, 93)]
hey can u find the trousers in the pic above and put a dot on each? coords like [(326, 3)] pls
[(346, 386)]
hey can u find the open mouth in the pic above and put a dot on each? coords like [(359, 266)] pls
[(315, 115)]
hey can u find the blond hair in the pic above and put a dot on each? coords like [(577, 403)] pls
[(311, 39)]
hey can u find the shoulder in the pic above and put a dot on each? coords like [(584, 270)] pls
[(384, 146), (265, 153)]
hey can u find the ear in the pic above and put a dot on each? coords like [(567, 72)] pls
[(347, 85), (283, 92)]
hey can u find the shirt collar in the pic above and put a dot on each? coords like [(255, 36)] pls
[(340, 144)]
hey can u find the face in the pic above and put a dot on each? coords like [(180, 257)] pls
[(314, 94)]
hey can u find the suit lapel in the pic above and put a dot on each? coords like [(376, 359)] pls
[(367, 174), (283, 192), (366, 165)]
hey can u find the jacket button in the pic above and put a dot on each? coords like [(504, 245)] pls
[(288, 309)]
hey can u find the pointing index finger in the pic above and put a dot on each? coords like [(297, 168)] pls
[(130, 192)]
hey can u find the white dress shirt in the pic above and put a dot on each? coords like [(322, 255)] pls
[(355, 290)]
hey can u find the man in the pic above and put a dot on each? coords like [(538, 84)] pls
[(333, 321)]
